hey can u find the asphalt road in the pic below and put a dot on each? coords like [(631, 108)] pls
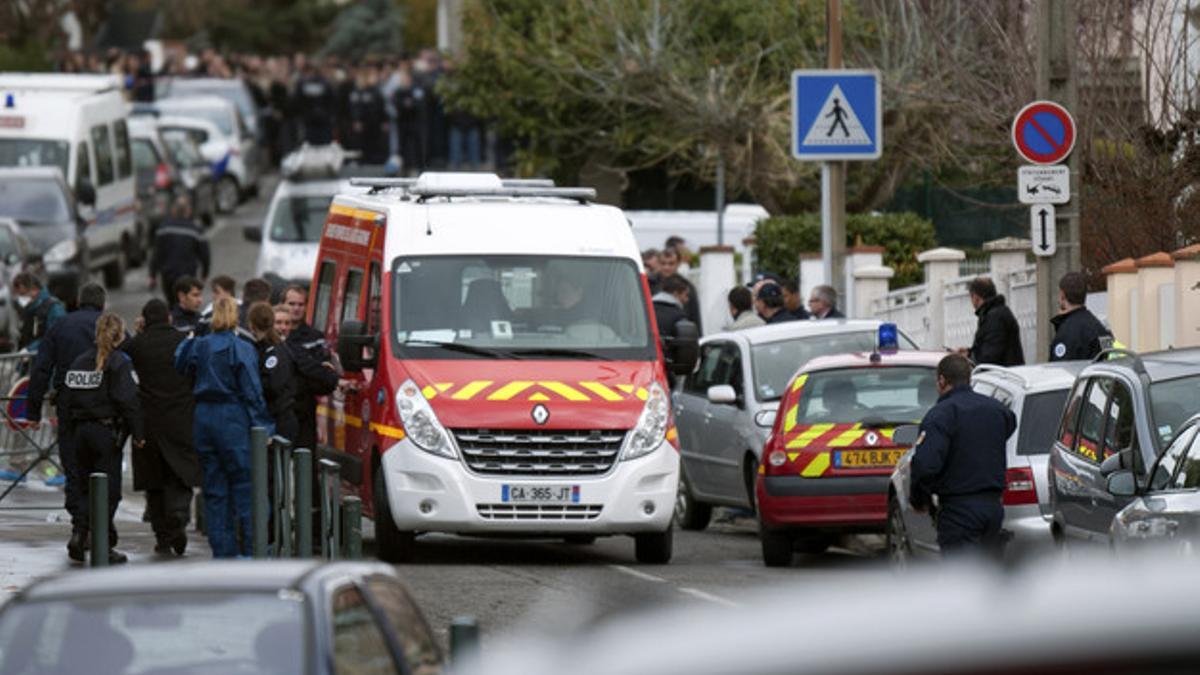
[(513, 584)]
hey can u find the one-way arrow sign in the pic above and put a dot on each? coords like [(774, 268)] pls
[(1042, 231)]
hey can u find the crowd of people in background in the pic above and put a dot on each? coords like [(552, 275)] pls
[(386, 109)]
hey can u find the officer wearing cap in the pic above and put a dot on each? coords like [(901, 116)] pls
[(960, 458), (769, 303)]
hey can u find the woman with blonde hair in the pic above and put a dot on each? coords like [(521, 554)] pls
[(100, 399), (229, 400)]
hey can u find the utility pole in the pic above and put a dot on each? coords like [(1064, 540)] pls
[(833, 174), (1057, 21)]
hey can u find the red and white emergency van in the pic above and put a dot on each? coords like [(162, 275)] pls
[(503, 368)]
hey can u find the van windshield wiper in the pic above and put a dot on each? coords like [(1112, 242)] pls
[(877, 423), (560, 351), (464, 348)]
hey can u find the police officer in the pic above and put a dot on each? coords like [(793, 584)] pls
[(314, 103), (960, 458), (229, 401), (100, 401), (73, 335), (189, 297), (367, 118), (167, 467), (275, 369), (180, 249), (1077, 332), (314, 365), (39, 310)]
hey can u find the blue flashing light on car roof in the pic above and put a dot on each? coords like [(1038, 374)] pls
[(10, 101), (889, 338)]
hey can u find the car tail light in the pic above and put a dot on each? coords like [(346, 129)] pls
[(162, 176), (1019, 487)]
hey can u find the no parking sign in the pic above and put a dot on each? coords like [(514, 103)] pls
[(1044, 132)]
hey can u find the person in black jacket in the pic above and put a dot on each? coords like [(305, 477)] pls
[(100, 400), (167, 468), (668, 265), (1078, 334), (769, 303), (73, 335), (669, 303), (180, 249), (189, 297), (960, 457), (275, 369), (317, 373), (998, 335)]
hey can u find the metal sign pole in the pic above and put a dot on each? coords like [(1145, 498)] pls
[(833, 174)]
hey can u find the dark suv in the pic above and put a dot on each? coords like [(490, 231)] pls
[(1122, 403)]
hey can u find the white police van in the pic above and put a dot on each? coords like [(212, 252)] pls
[(78, 124)]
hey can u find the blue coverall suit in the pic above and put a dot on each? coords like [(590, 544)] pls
[(960, 457), (229, 400)]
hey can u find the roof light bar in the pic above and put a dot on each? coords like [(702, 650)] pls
[(581, 195)]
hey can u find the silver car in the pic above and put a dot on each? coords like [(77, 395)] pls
[(1036, 395), (1166, 510), (724, 410)]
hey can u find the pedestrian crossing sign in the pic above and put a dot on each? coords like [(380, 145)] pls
[(837, 115)]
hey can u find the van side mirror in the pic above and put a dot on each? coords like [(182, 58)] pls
[(1112, 464), (1121, 483), (252, 233), (906, 435), (683, 350), (85, 192), (356, 350)]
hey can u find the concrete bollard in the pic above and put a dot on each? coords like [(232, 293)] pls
[(260, 505), (281, 500), (352, 528), (330, 509), (464, 637), (98, 517), (302, 471)]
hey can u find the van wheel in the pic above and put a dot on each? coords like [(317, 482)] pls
[(393, 545), (228, 194), (114, 272), (689, 513), (654, 548), (777, 548)]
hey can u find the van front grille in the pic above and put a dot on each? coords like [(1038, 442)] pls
[(539, 511), (539, 453)]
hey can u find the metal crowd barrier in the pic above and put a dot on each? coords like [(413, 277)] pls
[(282, 500), (24, 449)]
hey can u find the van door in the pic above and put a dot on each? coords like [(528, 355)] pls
[(320, 308), (102, 236), (356, 416)]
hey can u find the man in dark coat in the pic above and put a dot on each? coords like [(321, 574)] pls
[(167, 466), (998, 335), (180, 249), (668, 264), (314, 366), (72, 336), (1078, 333), (669, 303)]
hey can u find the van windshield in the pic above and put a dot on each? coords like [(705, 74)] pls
[(34, 152), (300, 219), (32, 201), (504, 306)]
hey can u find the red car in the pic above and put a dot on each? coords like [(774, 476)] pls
[(827, 461)]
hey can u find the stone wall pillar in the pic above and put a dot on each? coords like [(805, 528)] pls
[(941, 266), (870, 282), (1006, 256), (857, 257), (1187, 296), (1153, 271), (716, 278), (1122, 281)]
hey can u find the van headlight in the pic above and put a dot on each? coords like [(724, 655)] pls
[(420, 423), (61, 252), (651, 428)]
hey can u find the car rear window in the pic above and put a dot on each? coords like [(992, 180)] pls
[(1173, 402), (871, 396), (1039, 422), (776, 362)]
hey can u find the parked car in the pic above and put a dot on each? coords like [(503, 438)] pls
[(233, 127), (232, 90), (226, 167), (1164, 510), (166, 169), (1036, 395), (38, 200), (1122, 404), (281, 616), (725, 408), (830, 455)]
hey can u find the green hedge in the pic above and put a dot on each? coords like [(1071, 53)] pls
[(780, 240)]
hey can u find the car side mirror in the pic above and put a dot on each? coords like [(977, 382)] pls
[(252, 233), (906, 435), (765, 418), (722, 394), (1112, 464), (1121, 483), (356, 350), (85, 192), (683, 349)]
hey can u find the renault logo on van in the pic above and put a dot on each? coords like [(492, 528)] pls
[(540, 414)]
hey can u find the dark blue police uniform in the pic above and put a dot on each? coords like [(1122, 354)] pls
[(73, 335), (960, 457), (229, 400)]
